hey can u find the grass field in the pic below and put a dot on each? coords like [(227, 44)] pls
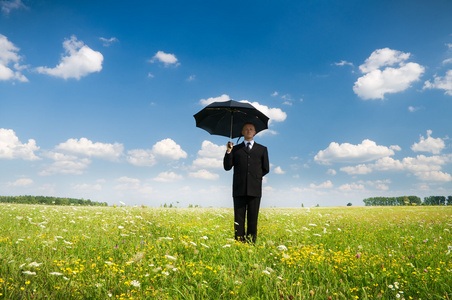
[(58, 252)]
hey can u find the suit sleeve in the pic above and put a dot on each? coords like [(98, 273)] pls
[(227, 161), (265, 163)]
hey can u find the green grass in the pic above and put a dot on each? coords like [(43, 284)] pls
[(177, 253)]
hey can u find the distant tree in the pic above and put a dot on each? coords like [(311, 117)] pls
[(449, 200), (349, 204)]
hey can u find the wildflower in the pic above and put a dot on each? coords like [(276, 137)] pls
[(34, 264), (358, 255), (194, 244), (282, 248), (316, 234), (204, 237), (312, 224), (226, 246), (397, 295), (449, 248), (339, 229), (286, 256), (120, 227), (165, 273), (135, 283), (204, 245), (56, 274), (170, 257), (29, 273), (266, 272)]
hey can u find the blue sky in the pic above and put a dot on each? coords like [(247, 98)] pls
[(97, 98)]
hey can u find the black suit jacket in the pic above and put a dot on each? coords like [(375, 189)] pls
[(249, 169)]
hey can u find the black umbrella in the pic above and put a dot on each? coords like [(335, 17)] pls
[(227, 118)]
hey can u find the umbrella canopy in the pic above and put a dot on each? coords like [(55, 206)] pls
[(227, 118)]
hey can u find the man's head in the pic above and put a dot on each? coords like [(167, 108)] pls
[(248, 131)]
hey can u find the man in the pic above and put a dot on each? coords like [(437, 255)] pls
[(250, 162)]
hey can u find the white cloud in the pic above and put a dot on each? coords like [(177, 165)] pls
[(357, 170), (413, 108), (108, 42), (79, 62), (426, 168), (441, 83), (141, 158), (434, 176), (331, 172), (278, 170), (86, 147), (8, 6), (204, 174), (165, 58), (274, 94), (65, 164), (12, 148), (21, 182), (344, 63), (210, 100), (350, 187), (429, 144), (325, 185), (380, 78), (210, 156), (168, 177), (9, 56), (165, 149), (366, 151), (168, 148)]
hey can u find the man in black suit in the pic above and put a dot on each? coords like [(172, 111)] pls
[(250, 162)]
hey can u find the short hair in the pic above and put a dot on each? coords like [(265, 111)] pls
[(249, 123)]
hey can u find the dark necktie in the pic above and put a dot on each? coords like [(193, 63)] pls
[(248, 146)]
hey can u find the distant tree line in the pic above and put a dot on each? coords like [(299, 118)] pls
[(49, 200), (407, 200)]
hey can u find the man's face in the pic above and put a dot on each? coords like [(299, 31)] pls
[(248, 131)]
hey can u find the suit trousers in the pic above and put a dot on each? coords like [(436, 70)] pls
[(246, 207)]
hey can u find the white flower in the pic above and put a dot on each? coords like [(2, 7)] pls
[(165, 273), (282, 248), (226, 246), (194, 244), (205, 245), (170, 257), (29, 273), (266, 272), (449, 248), (121, 227), (66, 242), (339, 229), (312, 224), (34, 264), (316, 234), (204, 237), (135, 283), (286, 256), (165, 238), (56, 274)]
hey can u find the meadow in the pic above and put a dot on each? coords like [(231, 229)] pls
[(76, 252)]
